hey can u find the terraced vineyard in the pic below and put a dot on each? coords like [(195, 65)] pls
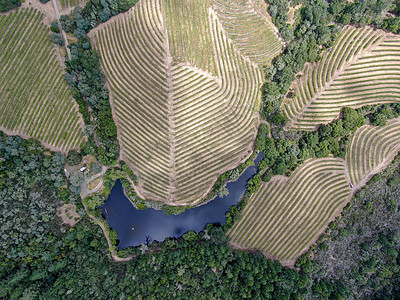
[(253, 33), (371, 148), (189, 35), (185, 98), (65, 4), (363, 68), (35, 101), (285, 216)]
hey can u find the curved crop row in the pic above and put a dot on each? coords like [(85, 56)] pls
[(285, 216), (371, 148), (249, 26), (363, 68), (189, 33), (34, 99), (66, 4), (185, 115)]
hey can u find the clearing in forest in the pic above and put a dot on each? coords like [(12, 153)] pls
[(363, 68), (185, 83), (35, 101)]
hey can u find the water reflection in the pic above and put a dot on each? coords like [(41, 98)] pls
[(133, 225)]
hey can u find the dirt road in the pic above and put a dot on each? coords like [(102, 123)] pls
[(61, 30)]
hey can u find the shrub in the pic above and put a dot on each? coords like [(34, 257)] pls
[(96, 168), (74, 158), (57, 39)]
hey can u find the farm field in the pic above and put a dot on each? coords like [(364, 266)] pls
[(35, 101), (70, 4), (253, 33), (285, 216), (371, 149), (288, 214), (363, 68), (184, 96)]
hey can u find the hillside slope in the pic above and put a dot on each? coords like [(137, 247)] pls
[(363, 68), (185, 95), (35, 101)]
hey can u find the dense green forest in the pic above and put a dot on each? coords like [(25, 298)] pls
[(6, 5), (41, 258)]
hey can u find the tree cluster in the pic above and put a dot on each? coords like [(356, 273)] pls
[(311, 34), (6, 5)]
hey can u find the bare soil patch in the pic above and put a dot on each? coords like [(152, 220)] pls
[(68, 214), (47, 9), (292, 14)]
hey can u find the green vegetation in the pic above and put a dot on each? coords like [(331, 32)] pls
[(298, 187), (57, 39), (312, 33), (86, 79), (34, 99), (253, 34), (281, 206), (6, 5), (42, 259)]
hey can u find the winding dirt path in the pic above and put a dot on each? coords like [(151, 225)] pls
[(57, 15), (85, 191)]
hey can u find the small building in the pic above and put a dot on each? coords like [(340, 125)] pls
[(82, 169)]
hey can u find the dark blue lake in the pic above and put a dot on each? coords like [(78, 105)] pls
[(133, 225)]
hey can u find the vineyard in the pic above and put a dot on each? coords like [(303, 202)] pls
[(253, 34), (285, 216), (371, 148), (184, 96), (35, 101), (67, 4), (363, 68)]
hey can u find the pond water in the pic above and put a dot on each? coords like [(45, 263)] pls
[(133, 225)]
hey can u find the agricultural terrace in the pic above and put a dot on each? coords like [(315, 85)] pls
[(363, 68), (286, 215), (69, 4), (371, 149), (253, 33), (185, 98), (35, 101)]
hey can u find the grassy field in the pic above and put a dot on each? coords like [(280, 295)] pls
[(363, 68), (35, 101), (185, 97), (286, 215), (371, 148)]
